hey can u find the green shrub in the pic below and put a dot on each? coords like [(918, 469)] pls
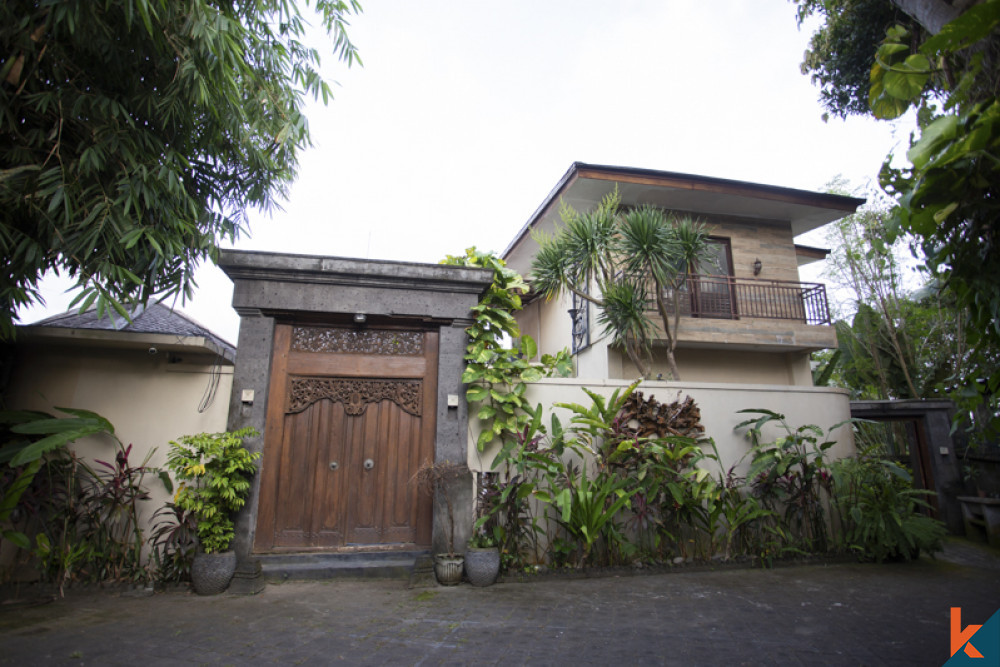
[(880, 511), (214, 471)]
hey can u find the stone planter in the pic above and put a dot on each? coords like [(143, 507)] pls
[(448, 569), (482, 565), (211, 573)]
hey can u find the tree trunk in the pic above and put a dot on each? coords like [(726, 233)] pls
[(933, 14), (670, 333), (672, 364)]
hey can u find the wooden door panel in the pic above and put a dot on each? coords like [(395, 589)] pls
[(292, 509), (399, 520), (347, 396), (321, 365), (326, 505), (362, 508)]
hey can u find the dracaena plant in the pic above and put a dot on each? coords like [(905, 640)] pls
[(214, 471)]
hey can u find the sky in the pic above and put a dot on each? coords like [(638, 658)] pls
[(467, 113)]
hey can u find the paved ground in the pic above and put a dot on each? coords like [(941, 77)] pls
[(813, 615)]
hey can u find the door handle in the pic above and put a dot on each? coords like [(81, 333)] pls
[(369, 464)]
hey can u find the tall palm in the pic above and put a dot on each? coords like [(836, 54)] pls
[(609, 258), (669, 250)]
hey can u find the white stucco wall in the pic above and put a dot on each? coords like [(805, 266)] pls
[(148, 400), (718, 403)]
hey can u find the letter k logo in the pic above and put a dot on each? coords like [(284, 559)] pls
[(959, 637)]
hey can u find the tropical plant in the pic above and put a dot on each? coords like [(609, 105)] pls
[(135, 133), (174, 543), (585, 506), (787, 474), (85, 519), (113, 493), (504, 517), (946, 197), (879, 511), (214, 471), (498, 358), (613, 260), (28, 437)]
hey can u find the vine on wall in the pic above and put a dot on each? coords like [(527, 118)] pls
[(497, 356)]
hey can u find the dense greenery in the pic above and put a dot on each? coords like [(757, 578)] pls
[(612, 488), (950, 68), (899, 338), (83, 520), (214, 471), (842, 50), (135, 133), (498, 358)]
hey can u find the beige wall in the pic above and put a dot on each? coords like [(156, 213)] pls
[(149, 400), (728, 366), (548, 323), (719, 404)]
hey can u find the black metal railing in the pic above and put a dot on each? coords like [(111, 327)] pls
[(727, 297)]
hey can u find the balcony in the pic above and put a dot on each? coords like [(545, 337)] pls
[(727, 297), (739, 313)]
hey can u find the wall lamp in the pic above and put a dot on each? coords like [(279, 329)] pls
[(757, 266)]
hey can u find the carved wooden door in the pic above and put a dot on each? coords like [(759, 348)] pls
[(350, 419)]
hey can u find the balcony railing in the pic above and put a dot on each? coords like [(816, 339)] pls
[(727, 297)]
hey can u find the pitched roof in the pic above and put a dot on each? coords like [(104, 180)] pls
[(583, 186), (154, 319)]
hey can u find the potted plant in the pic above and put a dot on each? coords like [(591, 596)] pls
[(482, 559), (436, 479), (214, 471)]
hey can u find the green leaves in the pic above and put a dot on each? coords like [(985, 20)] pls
[(496, 372), (214, 471), (58, 433), (622, 263), (897, 77), (135, 133)]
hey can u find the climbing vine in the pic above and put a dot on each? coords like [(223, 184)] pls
[(497, 356)]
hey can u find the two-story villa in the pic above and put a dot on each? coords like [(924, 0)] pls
[(750, 321)]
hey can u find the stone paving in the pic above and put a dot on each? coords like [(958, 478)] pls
[(842, 614)]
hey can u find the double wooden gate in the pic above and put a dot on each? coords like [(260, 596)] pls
[(351, 416)]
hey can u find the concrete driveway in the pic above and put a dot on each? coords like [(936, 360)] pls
[(843, 614)]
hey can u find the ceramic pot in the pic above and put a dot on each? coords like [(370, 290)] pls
[(448, 569), (482, 565), (211, 573)]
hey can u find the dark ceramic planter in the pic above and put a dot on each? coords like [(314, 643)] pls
[(482, 565), (211, 573)]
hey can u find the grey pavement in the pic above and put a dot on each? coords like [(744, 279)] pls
[(840, 614)]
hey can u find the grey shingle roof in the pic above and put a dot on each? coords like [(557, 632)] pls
[(154, 319)]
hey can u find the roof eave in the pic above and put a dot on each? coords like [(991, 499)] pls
[(836, 204), (124, 339)]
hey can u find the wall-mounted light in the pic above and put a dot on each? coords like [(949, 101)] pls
[(360, 318), (757, 266)]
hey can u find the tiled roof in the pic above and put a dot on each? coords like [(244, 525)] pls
[(154, 319)]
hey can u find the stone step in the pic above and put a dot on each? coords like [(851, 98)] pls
[(276, 568)]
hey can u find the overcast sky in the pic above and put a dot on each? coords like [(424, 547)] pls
[(466, 114)]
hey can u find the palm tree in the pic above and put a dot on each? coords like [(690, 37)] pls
[(612, 258)]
